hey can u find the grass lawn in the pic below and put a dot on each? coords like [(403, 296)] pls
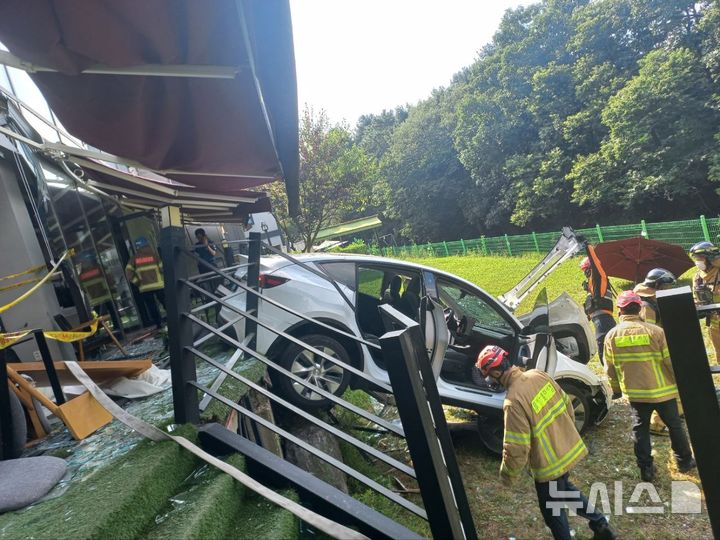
[(502, 512)]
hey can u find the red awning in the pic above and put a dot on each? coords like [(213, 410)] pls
[(201, 92)]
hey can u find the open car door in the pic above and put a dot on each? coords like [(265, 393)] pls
[(544, 353)]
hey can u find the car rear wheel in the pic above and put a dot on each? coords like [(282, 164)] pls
[(491, 432), (313, 369), (580, 399)]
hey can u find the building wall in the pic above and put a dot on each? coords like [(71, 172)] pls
[(19, 250)]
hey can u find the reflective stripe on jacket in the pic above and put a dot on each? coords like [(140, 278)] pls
[(146, 271), (95, 285), (638, 362), (539, 427)]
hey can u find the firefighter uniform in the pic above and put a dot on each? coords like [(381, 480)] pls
[(540, 433), (706, 289), (638, 364), (144, 270), (94, 283)]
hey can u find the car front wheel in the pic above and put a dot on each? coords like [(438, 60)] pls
[(580, 399), (313, 369)]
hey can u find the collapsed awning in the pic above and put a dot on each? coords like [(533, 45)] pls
[(349, 227), (203, 93)]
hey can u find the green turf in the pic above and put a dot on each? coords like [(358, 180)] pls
[(259, 518), (118, 501), (205, 509)]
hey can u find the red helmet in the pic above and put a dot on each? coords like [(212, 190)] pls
[(585, 264), (626, 298), (492, 357)]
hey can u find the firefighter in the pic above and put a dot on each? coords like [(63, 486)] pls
[(706, 286), (540, 432), (656, 279), (144, 270), (96, 286), (638, 365), (598, 305)]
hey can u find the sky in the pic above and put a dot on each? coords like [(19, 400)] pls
[(356, 57)]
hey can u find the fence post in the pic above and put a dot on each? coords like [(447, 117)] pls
[(430, 249), (483, 244), (253, 277), (415, 250), (177, 302), (462, 244), (643, 229), (6, 428), (535, 241), (694, 380), (706, 232), (507, 243), (599, 232), (447, 252)]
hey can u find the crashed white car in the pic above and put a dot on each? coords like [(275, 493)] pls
[(458, 318)]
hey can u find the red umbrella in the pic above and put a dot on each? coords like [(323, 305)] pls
[(633, 258)]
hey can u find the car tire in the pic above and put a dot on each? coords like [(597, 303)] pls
[(580, 399), (314, 369), (492, 431)]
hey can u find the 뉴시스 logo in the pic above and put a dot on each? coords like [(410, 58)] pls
[(685, 498)]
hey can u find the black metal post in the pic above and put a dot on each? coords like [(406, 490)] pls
[(426, 430), (6, 427), (177, 302), (253, 276), (697, 390), (49, 366)]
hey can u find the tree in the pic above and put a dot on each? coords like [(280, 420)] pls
[(335, 179)]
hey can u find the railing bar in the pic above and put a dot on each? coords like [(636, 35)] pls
[(222, 270), (369, 482), (214, 303), (282, 306), (332, 397), (289, 337), (207, 337), (323, 425)]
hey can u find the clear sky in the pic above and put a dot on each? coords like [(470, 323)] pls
[(357, 57)]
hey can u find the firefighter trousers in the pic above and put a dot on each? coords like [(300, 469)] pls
[(668, 411)]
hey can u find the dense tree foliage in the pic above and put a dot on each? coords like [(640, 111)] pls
[(577, 112)]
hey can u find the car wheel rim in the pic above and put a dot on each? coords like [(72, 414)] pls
[(579, 409), (318, 371)]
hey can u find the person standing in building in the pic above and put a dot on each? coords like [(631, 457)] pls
[(144, 270), (95, 284), (540, 431), (706, 287), (638, 365), (656, 279), (205, 249), (598, 301)]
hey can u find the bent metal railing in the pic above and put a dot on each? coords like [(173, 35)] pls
[(428, 441)]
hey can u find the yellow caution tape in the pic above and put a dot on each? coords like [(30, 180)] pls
[(25, 272), (18, 284), (6, 340), (69, 337), (37, 285), (11, 337)]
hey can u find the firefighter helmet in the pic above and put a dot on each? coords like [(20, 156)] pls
[(492, 357), (657, 277), (704, 249), (626, 298)]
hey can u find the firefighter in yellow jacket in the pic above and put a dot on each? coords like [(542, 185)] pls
[(657, 279), (638, 365), (706, 286), (540, 432), (144, 270)]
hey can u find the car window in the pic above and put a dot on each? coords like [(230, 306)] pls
[(466, 303), (370, 282), (342, 272)]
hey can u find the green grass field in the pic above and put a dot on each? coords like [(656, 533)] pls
[(500, 512)]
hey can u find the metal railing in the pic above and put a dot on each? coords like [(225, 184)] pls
[(438, 477)]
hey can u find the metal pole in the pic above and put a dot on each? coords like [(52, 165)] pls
[(49, 366), (599, 232), (643, 229), (447, 252), (535, 241), (696, 388), (483, 243), (507, 243), (426, 431), (6, 427), (253, 281), (177, 303), (706, 232), (462, 243)]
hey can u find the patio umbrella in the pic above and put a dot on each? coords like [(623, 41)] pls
[(633, 258)]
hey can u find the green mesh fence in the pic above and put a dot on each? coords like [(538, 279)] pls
[(684, 233)]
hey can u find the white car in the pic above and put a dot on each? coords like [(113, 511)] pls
[(458, 318)]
